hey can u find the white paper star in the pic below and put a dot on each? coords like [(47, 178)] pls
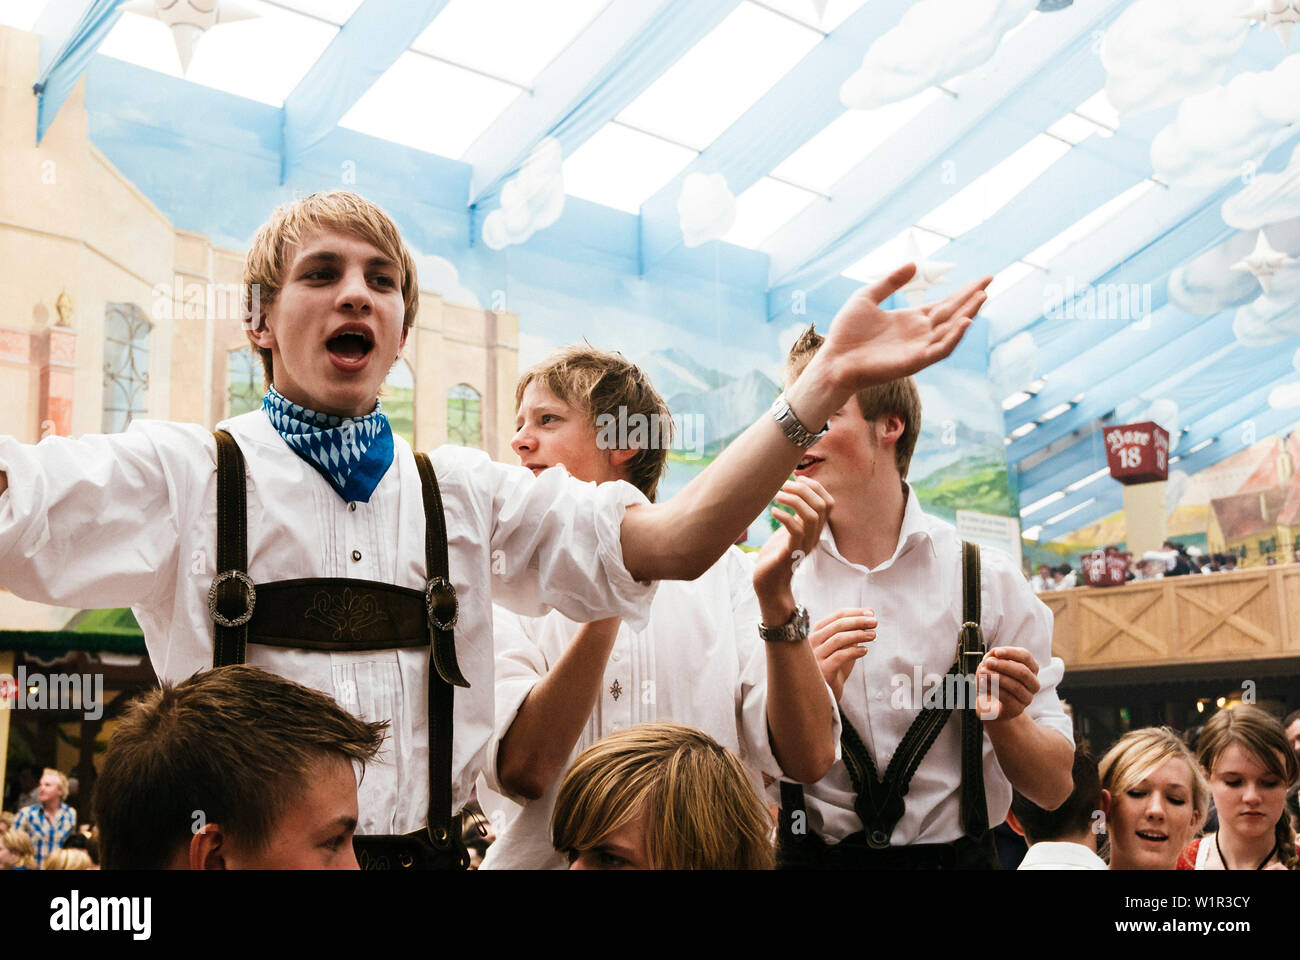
[(1263, 262), (928, 272), (820, 7), (189, 21), (1280, 15)]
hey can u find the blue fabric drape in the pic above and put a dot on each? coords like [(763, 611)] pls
[(63, 72)]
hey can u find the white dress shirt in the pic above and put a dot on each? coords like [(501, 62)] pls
[(698, 661), (917, 598), (1059, 855), (129, 519)]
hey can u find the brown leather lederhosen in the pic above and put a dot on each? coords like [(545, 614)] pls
[(879, 801), (348, 615)]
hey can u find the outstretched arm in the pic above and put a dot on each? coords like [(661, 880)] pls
[(866, 345)]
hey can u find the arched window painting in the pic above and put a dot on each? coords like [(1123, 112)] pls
[(126, 365), (398, 398), (244, 382), (464, 425)]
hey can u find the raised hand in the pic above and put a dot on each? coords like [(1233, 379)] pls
[(798, 537), (1006, 681), (839, 642), (868, 345)]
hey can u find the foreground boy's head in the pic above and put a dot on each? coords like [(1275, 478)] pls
[(336, 294), (235, 768), (870, 439), (595, 412), (660, 796), (1074, 821)]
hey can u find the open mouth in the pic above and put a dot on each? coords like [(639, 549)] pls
[(350, 346), (807, 463), (1153, 836)]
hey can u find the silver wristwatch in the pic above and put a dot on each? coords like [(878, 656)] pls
[(794, 630), (792, 426)]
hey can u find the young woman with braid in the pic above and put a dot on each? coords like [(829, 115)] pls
[(1250, 765)]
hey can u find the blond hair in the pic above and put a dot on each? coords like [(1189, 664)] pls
[(68, 859), (337, 210), (898, 398), (1264, 738), (20, 844), (63, 781), (605, 384), (700, 809), (1139, 752)]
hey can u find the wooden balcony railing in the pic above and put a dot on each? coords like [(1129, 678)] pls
[(1201, 618)]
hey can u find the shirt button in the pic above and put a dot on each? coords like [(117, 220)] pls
[(616, 726), (356, 554), (352, 507), (880, 694), (616, 656)]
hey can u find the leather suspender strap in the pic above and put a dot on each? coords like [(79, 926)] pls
[(974, 808), (232, 596), (440, 599)]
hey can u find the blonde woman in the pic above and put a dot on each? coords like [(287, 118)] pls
[(661, 796), (1158, 799), (17, 851), (1245, 755), (68, 859)]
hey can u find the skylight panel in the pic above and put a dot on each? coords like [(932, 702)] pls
[(1071, 512), (22, 15), (1099, 110), (848, 140), (764, 208), (1039, 504), (805, 11), (893, 254), (736, 63), (1086, 225), (337, 12), (988, 194), (622, 168), (261, 59), (511, 39), (429, 105), (1094, 116), (1090, 478)]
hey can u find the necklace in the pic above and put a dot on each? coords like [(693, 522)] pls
[(1224, 860)]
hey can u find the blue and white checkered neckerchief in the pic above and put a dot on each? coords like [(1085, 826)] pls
[(352, 453)]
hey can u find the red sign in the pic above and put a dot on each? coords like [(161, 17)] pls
[(1104, 569), (1137, 452)]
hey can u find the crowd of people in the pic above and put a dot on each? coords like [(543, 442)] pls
[(355, 641), (1173, 559)]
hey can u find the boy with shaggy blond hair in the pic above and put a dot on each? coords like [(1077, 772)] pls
[(318, 489)]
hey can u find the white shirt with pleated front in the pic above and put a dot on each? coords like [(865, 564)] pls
[(698, 661), (129, 519), (917, 598)]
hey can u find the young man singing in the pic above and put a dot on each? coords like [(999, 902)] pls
[(698, 660), (884, 560), (325, 562)]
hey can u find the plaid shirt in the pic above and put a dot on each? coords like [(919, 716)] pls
[(46, 836)]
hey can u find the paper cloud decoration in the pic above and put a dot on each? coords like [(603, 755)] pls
[(1220, 133), (1208, 283), (935, 41), (1272, 318), (439, 275), (1164, 412), (706, 208), (1175, 488), (1269, 198), (1285, 396), (1012, 365), (1159, 51), (531, 200), (190, 19)]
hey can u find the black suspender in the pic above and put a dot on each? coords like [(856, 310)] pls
[(879, 801)]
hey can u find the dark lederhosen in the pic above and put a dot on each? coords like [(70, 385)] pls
[(879, 802), (348, 615)]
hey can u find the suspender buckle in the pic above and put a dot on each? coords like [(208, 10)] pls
[(250, 598), (441, 602)]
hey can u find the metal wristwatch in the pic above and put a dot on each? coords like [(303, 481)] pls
[(794, 630), (792, 426)]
